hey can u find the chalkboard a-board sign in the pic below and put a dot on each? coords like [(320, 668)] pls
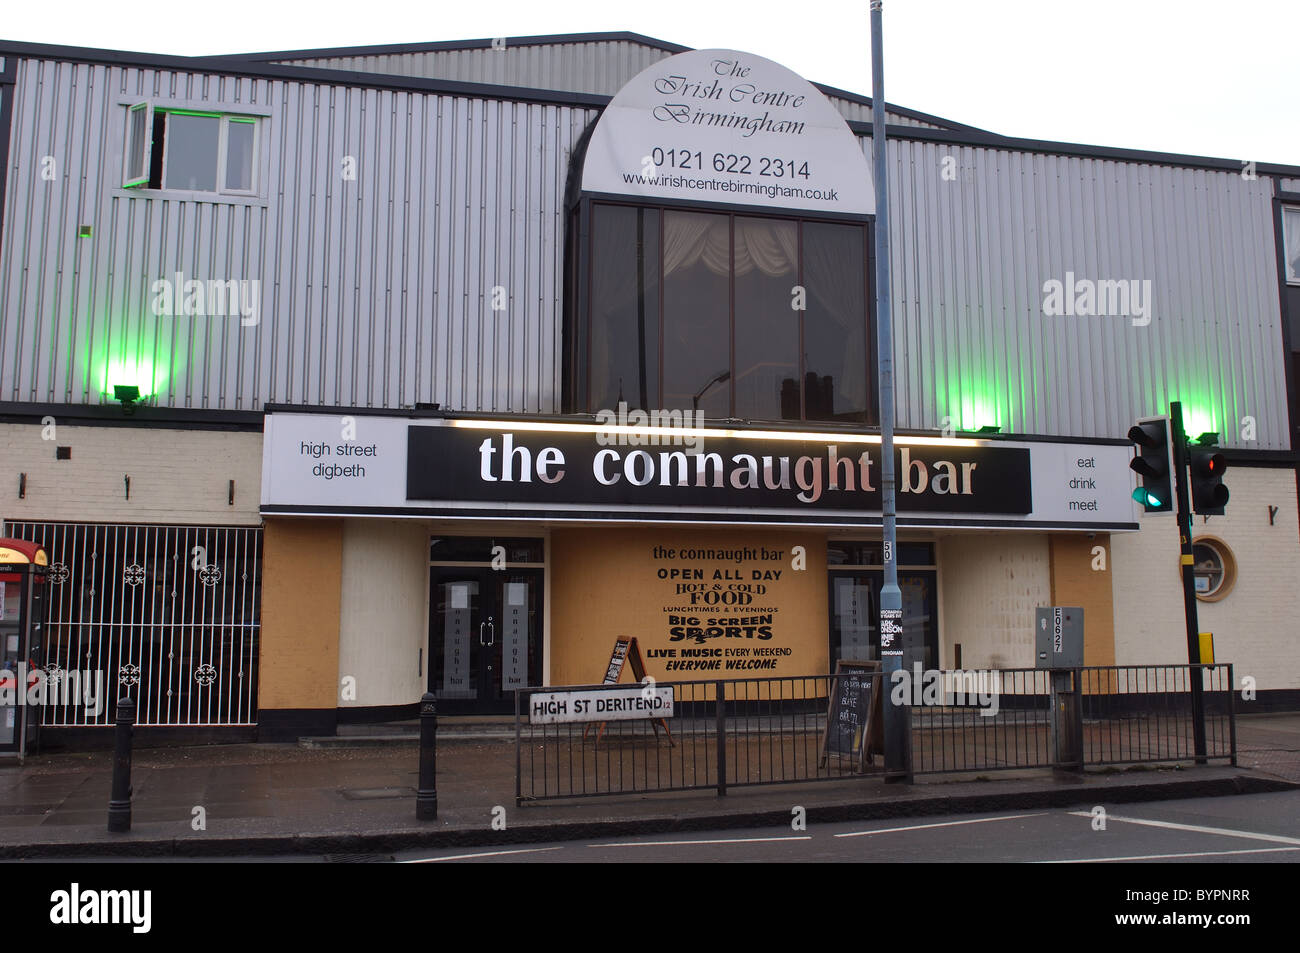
[(853, 717), (627, 650)]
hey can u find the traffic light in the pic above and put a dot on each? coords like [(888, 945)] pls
[(1209, 495), (1154, 463)]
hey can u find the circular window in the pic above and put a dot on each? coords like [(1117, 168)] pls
[(1214, 570)]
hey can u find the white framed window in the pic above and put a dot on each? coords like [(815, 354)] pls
[(186, 150), (1291, 243), (139, 132)]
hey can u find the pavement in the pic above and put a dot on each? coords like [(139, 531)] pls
[(353, 801)]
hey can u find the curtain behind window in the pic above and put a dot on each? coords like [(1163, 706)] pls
[(691, 238), (698, 261)]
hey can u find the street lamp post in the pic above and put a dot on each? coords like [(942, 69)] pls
[(897, 730)]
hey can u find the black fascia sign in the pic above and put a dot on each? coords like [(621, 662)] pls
[(474, 464)]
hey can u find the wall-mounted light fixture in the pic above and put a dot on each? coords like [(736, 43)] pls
[(128, 394), (126, 483), (230, 500), (22, 486)]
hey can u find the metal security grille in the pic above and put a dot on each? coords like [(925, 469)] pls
[(167, 614)]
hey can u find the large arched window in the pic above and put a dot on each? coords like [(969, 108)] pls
[(738, 315)]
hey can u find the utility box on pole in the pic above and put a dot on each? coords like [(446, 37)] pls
[(1058, 646), (1058, 637)]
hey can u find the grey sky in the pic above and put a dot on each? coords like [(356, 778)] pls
[(1194, 76)]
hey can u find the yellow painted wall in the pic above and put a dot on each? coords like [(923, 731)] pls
[(606, 583), (301, 586), (1082, 577)]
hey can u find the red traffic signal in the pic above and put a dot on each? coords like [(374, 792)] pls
[(1209, 495)]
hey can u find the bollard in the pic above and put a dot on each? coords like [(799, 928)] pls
[(119, 805), (426, 796)]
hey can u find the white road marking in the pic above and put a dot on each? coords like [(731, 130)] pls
[(490, 853), (1203, 853), (921, 827), (1196, 828), (679, 843)]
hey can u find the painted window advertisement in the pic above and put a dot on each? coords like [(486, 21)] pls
[(730, 611)]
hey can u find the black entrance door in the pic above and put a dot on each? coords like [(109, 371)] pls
[(485, 633)]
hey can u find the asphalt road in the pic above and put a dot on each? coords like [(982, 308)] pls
[(1255, 828), (1259, 828), (1100, 890)]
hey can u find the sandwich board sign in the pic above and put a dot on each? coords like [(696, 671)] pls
[(626, 650), (854, 719)]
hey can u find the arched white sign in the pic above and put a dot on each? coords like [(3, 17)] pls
[(723, 126)]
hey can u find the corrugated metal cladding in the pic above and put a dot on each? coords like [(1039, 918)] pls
[(602, 67), (374, 292), (975, 239), (861, 112), (1291, 185), (377, 292)]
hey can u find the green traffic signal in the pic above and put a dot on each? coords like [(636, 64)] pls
[(1148, 499), (1153, 462)]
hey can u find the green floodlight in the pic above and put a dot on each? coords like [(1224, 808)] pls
[(128, 394)]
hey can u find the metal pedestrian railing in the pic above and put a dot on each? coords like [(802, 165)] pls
[(1130, 714), (1146, 713), (977, 721), (724, 733)]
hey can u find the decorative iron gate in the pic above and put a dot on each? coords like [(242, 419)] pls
[(167, 614)]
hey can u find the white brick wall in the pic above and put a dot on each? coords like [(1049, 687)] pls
[(177, 476), (990, 585), (1257, 626)]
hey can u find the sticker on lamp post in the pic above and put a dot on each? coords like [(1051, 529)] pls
[(891, 625)]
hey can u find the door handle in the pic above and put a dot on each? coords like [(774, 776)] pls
[(493, 631), (480, 633)]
